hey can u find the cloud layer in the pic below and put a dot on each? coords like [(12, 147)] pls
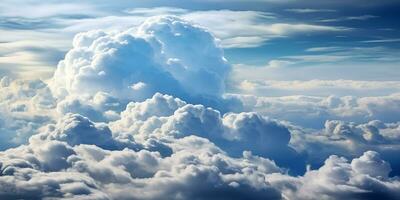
[(143, 114)]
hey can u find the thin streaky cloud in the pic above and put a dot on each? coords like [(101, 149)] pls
[(351, 18), (309, 10), (382, 40)]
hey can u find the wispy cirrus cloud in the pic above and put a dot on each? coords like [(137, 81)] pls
[(382, 40), (235, 29), (309, 10), (246, 28), (351, 18), (43, 9), (344, 53)]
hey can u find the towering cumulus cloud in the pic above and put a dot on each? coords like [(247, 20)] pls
[(136, 115), (164, 54)]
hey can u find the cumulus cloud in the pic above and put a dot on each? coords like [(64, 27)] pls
[(349, 139), (197, 169), (163, 117), (133, 65), (206, 157), (25, 106), (64, 164), (365, 177), (313, 111), (75, 129), (100, 107)]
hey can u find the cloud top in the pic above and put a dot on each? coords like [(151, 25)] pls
[(165, 54)]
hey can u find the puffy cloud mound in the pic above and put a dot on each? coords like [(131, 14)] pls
[(164, 118), (193, 55), (197, 169), (349, 139), (100, 107), (55, 167), (164, 54), (76, 129), (25, 105), (365, 177)]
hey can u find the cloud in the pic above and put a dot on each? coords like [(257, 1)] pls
[(309, 10), (235, 29), (338, 178), (341, 53), (382, 40), (351, 18), (313, 111), (156, 11), (42, 10), (349, 139), (318, 87), (238, 29), (324, 63), (100, 107), (196, 169), (72, 159), (362, 17), (25, 54), (113, 62), (25, 106), (279, 63), (163, 117), (76, 129)]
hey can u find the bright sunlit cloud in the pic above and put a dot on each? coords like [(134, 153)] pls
[(199, 100)]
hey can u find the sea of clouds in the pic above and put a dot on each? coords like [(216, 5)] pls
[(143, 114)]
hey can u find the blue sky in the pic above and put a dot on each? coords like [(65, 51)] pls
[(361, 37)]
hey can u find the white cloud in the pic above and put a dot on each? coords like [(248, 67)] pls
[(318, 87), (156, 11), (196, 169), (326, 62), (167, 54), (75, 129), (338, 178), (313, 111), (24, 107), (235, 29), (250, 28), (138, 86), (309, 10), (348, 139), (279, 63), (72, 160), (382, 40), (349, 18), (163, 117), (41, 10)]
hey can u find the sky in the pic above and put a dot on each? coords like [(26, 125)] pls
[(263, 34), (233, 99)]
